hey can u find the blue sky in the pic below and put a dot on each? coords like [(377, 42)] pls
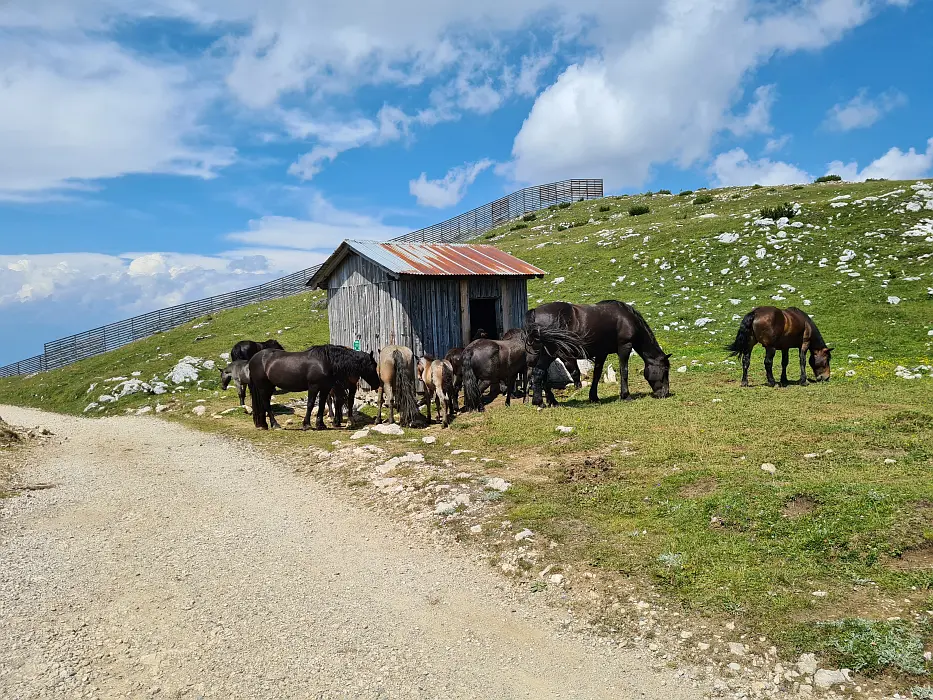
[(181, 148)]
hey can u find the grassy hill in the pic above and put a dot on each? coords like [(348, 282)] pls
[(820, 549)]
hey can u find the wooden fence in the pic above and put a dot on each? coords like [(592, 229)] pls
[(65, 351)]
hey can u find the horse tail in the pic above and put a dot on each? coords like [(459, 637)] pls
[(257, 399), (745, 338), (472, 396), (403, 388)]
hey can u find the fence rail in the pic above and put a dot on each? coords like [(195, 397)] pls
[(65, 351)]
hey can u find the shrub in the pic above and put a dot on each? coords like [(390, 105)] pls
[(639, 209), (604, 207), (798, 187), (518, 227), (664, 191), (873, 645), (735, 195), (756, 186), (775, 213), (876, 179), (563, 205), (685, 193), (703, 199), (829, 178), (530, 217)]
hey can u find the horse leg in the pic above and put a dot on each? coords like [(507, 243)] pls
[(509, 389), (241, 392), (769, 366), (746, 362), (803, 366), (427, 402), (493, 387), (379, 414), (338, 407), (312, 395), (598, 365), (351, 399), (784, 357), (320, 411), (391, 401), (625, 352)]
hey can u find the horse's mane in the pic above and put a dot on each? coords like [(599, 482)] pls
[(344, 361), (816, 338), (639, 319)]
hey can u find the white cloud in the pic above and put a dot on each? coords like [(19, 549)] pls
[(893, 165), (757, 119), (75, 111), (662, 96), (450, 189), (777, 144), (736, 168), (862, 111)]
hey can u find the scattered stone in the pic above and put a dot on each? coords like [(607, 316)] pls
[(702, 646), (460, 452), (523, 535), (199, 410), (768, 467), (476, 529), (807, 664), (556, 579), (388, 429), (144, 410), (497, 484), (360, 434), (563, 429), (736, 649), (819, 594), (429, 439), (811, 455), (827, 679)]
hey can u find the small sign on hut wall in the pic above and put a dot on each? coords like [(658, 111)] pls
[(356, 345)]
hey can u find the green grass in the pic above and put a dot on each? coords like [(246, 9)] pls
[(671, 493)]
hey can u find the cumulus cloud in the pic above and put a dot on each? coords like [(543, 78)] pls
[(863, 111), (736, 168), (663, 96), (448, 190), (893, 165), (757, 119)]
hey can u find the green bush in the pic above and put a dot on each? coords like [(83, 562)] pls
[(703, 199), (605, 207), (639, 209), (518, 227), (829, 178), (798, 187), (756, 186), (735, 195), (664, 191), (530, 217), (563, 205), (775, 213), (685, 193)]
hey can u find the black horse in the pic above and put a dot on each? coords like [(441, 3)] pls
[(607, 327), (497, 364), (454, 356), (317, 370), (245, 349)]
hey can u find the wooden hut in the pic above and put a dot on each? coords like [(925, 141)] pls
[(429, 297)]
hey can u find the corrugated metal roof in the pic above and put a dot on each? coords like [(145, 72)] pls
[(441, 259)]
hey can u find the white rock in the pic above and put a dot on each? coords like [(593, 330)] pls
[(429, 439), (563, 429), (727, 237), (682, 369), (557, 280), (807, 664), (811, 455), (90, 406), (894, 300), (144, 410), (497, 484), (199, 410), (476, 529), (850, 373), (182, 372), (890, 461), (460, 452), (225, 356), (827, 679), (209, 364), (556, 579), (768, 467), (736, 649), (819, 594), (388, 429), (734, 667), (524, 535), (360, 434), (445, 508), (700, 322)]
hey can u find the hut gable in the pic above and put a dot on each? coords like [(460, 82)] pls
[(428, 297)]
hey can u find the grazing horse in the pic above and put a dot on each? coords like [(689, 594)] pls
[(245, 349), (487, 363), (607, 327), (397, 375), (438, 378), (238, 372), (316, 370), (781, 330)]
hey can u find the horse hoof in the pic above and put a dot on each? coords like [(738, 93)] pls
[(320, 426), (628, 397)]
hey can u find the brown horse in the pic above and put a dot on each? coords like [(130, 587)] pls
[(397, 372), (781, 330), (438, 379), (453, 356)]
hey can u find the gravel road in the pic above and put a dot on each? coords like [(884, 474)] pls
[(171, 563)]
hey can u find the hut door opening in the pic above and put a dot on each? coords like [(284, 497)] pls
[(483, 315)]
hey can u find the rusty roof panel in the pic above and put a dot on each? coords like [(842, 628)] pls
[(454, 259)]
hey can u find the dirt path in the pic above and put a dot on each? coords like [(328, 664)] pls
[(170, 562)]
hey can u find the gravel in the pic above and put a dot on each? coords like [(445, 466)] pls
[(171, 563)]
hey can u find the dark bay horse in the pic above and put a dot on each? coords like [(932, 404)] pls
[(317, 370), (607, 327), (489, 363), (453, 356), (245, 349), (782, 330)]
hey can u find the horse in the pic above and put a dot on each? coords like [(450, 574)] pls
[(782, 330), (609, 326), (438, 379), (245, 349), (397, 375), (316, 370), (454, 356), (487, 363), (238, 372)]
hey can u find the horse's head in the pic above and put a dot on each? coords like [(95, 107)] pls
[(225, 376), (819, 362), (657, 374), (369, 371), (272, 343), (422, 365)]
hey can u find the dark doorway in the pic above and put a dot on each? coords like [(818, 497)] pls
[(483, 316)]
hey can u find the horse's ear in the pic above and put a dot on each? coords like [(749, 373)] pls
[(669, 355)]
